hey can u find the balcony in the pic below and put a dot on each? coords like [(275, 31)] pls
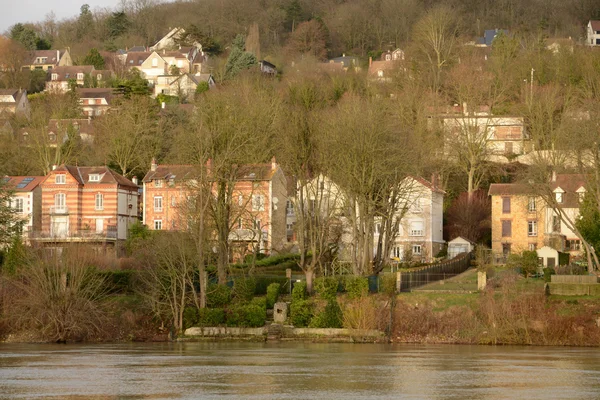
[(59, 210), (109, 235)]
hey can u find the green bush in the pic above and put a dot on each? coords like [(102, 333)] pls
[(330, 317), (250, 315), (260, 301), (190, 317), (548, 272), (301, 312), (211, 316), (299, 291), (243, 289), (272, 294), (357, 286), (263, 282), (120, 281), (218, 296), (326, 287), (388, 284)]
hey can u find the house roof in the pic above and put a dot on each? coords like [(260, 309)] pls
[(595, 25), (460, 239), (108, 176), (52, 56), (95, 93), (246, 172), (11, 95), (569, 183), (489, 35), (347, 61), (137, 49), (428, 184), (137, 58), (509, 189), (376, 66), (85, 126), (22, 183), (70, 72)]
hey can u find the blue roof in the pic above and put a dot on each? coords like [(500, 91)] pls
[(490, 34)]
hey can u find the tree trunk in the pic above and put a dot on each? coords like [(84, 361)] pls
[(309, 274)]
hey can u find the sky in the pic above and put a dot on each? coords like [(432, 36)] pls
[(14, 11)]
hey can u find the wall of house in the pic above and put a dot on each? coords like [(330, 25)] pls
[(519, 216), (173, 196), (72, 191)]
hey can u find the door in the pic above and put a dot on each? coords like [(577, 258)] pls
[(59, 226), (99, 225)]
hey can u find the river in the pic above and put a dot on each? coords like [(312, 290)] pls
[(296, 371)]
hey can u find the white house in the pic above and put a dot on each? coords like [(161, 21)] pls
[(593, 33), (26, 200), (420, 234), (14, 101)]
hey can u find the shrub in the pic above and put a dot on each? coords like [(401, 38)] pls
[(211, 316), (388, 284), (330, 317), (299, 291), (548, 272), (243, 289), (190, 317), (362, 313), (250, 315), (301, 312), (326, 287), (357, 286), (218, 296), (261, 302), (263, 282), (272, 294)]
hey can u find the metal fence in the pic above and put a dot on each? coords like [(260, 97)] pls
[(433, 273)]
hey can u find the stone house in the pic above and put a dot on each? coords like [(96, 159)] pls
[(523, 220)]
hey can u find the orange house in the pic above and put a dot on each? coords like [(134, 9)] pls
[(86, 204), (258, 216)]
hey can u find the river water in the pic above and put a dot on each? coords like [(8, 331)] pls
[(296, 371)]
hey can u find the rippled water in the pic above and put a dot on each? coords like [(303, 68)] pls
[(296, 371)]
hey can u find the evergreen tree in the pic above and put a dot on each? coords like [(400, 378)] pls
[(94, 58), (238, 59), (10, 222)]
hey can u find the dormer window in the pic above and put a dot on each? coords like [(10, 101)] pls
[(54, 77), (94, 177), (155, 62), (60, 179), (52, 137), (559, 197), (67, 75), (79, 76), (380, 73), (158, 183), (99, 77)]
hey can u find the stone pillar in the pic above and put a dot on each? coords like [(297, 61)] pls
[(481, 280), (280, 312), (398, 281)]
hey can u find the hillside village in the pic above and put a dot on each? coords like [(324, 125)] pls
[(361, 164)]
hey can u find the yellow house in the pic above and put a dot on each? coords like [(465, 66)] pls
[(46, 60)]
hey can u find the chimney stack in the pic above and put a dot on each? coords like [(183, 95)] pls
[(553, 176), (54, 167), (434, 180), (134, 180), (273, 163), (153, 165), (370, 61)]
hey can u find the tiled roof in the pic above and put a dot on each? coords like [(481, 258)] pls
[(66, 73), (10, 95), (247, 172), (509, 189), (85, 126), (595, 25), (23, 183), (135, 59), (82, 174), (381, 66), (428, 184), (52, 56)]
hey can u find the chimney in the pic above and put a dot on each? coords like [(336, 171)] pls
[(370, 61), (208, 166), (54, 167), (465, 110), (434, 180), (553, 176), (153, 165), (273, 163), (134, 180), (57, 56)]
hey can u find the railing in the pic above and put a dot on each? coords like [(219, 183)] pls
[(432, 273), (59, 210), (90, 235)]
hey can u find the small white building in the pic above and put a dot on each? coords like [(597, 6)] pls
[(458, 246), (593, 33), (26, 200)]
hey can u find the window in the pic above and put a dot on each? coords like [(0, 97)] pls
[(416, 228), (532, 246), (99, 201), (158, 183), (531, 228), (556, 223), (417, 206), (18, 205), (508, 147), (99, 77), (380, 73), (158, 224), (378, 229), (289, 206), (173, 201), (506, 248), (240, 223), (67, 75), (416, 249), (258, 202), (580, 196), (559, 197), (54, 77), (572, 244), (94, 177), (506, 228), (240, 200), (506, 205), (52, 137), (155, 62), (79, 76), (60, 179), (398, 252), (289, 227), (179, 63), (158, 204), (531, 206), (257, 224)]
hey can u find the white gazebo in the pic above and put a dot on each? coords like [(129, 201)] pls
[(459, 245)]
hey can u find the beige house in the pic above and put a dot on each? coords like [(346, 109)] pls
[(523, 220), (593, 33), (14, 102), (27, 200), (95, 101), (59, 78), (46, 60), (183, 86)]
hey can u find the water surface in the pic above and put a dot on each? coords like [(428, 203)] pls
[(296, 371)]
